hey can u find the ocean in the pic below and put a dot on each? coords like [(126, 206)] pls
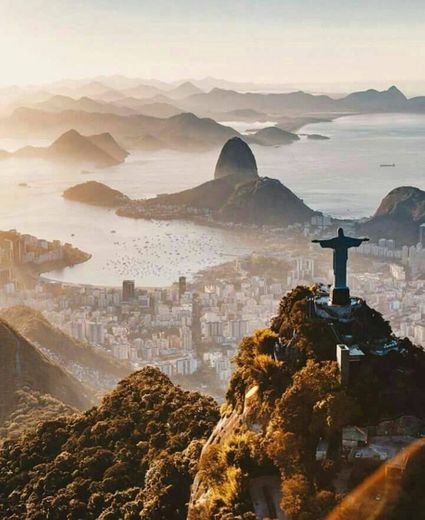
[(341, 176)]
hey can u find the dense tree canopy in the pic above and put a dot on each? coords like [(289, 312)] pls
[(132, 457)]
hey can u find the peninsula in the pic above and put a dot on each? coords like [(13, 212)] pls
[(236, 195), (24, 256)]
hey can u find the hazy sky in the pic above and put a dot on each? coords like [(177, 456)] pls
[(249, 40)]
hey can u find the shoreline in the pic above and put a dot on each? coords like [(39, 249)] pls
[(43, 276), (295, 124), (33, 273), (209, 223)]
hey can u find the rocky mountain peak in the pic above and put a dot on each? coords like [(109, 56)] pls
[(236, 158)]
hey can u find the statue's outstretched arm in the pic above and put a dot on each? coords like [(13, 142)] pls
[(355, 242), (325, 243)]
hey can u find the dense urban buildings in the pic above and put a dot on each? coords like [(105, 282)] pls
[(192, 325)]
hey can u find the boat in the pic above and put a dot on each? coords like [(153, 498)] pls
[(384, 165)]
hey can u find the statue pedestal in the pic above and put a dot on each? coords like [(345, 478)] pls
[(340, 296)]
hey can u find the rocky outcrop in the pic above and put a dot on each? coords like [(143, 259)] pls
[(236, 158), (265, 201), (399, 216)]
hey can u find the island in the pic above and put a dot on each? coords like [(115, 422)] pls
[(96, 194), (318, 137), (272, 136)]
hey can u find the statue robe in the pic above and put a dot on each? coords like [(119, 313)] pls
[(340, 246)]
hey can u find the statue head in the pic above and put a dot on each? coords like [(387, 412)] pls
[(340, 232)]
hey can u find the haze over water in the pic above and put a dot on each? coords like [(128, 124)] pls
[(341, 177)]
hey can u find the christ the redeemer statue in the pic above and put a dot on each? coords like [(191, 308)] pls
[(340, 245)]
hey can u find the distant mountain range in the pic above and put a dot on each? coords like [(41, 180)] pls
[(150, 118), (184, 90), (154, 109), (243, 114), (215, 95), (99, 150), (181, 132), (391, 100), (60, 103), (220, 101)]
